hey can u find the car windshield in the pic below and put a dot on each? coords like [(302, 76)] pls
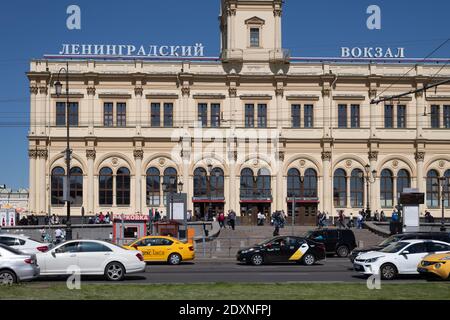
[(389, 240), (264, 242), (394, 247)]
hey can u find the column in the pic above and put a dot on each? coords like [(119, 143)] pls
[(91, 107), (33, 112), (279, 182), (277, 14), (279, 96), (186, 91), (232, 180), (41, 109), (326, 119), (138, 156), (90, 155), (349, 193), (373, 113), (138, 91), (373, 190), (232, 91), (32, 154), (327, 185), (420, 156), (42, 154), (394, 188), (420, 107)]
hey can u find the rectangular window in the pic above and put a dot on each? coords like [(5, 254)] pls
[(447, 117), (295, 115), (309, 116), (108, 114), (155, 115), (355, 116), (121, 114), (388, 116), (60, 114), (168, 115), (249, 115), (203, 114), (401, 116), (342, 116), (254, 37), (215, 115), (73, 114), (435, 115), (262, 115)]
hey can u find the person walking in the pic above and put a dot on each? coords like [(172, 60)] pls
[(261, 218), (276, 222), (58, 235), (232, 219), (341, 219), (221, 220)]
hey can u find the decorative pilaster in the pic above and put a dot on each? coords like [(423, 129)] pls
[(373, 156), (34, 90), (138, 156), (327, 185), (32, 155), (326, 112), (91, 103), (42, 154), (90, 156), (420, 104)]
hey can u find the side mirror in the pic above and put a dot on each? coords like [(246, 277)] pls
[(405, 252), (53, 253), (135, 246), (269, 245)]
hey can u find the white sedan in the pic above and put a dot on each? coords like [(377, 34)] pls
[(398, 258), (24, 243), (91, 257)]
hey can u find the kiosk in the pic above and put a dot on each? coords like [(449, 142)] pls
[(411, 199)]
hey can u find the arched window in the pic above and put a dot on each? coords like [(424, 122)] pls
[(57, 181), (447, 189), (357, 188), (433, 188), (263, 185), (310, 184), (123, 187), (340, 188), (217, 183), (170, 181), (76, 187), (387, 189), (247, 184), (153, 187), (293, 183), (200, 183), (403, 181), (105, 187)]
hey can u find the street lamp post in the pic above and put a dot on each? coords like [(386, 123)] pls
[(442, 180), (370, 179), (58, 89)]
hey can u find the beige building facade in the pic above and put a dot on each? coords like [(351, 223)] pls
[(253, 131)]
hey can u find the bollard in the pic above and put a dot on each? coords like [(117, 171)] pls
[(360, 244), (218, 248)]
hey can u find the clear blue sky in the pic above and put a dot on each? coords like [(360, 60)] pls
[(30, 29)]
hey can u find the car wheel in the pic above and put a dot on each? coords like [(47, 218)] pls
[(309, 259), (388, 271), (342, 251), (257, 259), (7, 278), (115, 271), (174, 259)]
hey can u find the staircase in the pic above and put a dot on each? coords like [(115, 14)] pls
[(229, 242)]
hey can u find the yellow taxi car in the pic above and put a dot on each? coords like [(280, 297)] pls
[(163, 249), (437, 264)]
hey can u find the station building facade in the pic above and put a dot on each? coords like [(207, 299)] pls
[(253, 131)]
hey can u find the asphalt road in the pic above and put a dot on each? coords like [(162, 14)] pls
[(228, 270)]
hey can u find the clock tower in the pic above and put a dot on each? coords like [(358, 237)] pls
[(251, 31)]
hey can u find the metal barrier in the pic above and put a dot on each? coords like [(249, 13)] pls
[(224, 247)]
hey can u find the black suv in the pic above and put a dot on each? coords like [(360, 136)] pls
[(439, 236), (336, 241)]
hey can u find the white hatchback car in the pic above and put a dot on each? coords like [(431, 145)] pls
[(398, 258), (91, 257), (24, 243)]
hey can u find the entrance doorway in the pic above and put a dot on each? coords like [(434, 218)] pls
[(305, 214), (213, 209), (249, 212)]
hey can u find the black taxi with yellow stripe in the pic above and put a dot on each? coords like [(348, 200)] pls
[(283, 249)]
